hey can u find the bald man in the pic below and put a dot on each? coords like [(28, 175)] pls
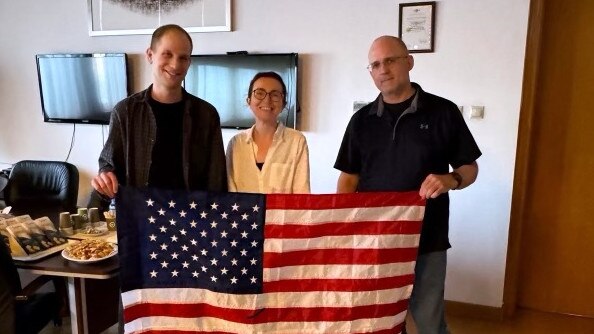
[(405, 140)]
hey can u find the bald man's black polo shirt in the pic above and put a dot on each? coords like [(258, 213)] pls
[(391, 154)]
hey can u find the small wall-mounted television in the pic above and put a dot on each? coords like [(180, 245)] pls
[(81, 88), (223, 80)]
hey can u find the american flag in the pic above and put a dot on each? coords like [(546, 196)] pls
[(198, 262)]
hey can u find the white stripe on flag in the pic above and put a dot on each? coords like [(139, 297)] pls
[(342, 242), (215, 324), (314, 217), (337, 271), (265, 300)]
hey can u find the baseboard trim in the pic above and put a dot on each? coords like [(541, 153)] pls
[(473, 311)]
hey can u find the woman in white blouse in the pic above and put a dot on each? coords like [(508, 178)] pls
[(268, 157)]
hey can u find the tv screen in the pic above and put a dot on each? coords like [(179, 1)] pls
[(81, 88), (223, 80)]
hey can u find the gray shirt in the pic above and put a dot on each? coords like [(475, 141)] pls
[(132, 134)]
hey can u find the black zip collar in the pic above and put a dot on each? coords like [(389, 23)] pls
[(377, 108)]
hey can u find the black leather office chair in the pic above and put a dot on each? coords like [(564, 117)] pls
[(3, 181), (23, 311), (42, 188)]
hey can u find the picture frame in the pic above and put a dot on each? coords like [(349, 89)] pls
[(140, 17), (417, 26)]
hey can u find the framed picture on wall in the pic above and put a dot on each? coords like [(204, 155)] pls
[(417, 26), (134, 17)]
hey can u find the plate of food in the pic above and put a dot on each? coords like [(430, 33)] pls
[(93, 232), (90, 251)]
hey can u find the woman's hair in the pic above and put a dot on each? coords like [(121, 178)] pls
[(272, 75), (162, 30)]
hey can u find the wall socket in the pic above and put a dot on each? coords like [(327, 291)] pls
[(358, 105), (477, 111)]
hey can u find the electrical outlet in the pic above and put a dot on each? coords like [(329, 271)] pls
[(477, 112), (358, 105)]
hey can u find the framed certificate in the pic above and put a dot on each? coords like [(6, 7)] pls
[(417, 21)]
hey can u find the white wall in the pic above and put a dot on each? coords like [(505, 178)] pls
[(478, 60)]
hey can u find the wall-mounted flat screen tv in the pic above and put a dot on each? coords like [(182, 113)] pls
[(223, 80), (81, 88)]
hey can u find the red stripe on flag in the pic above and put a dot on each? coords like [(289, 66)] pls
[(349, 285), (295, 231), (332, 201), (339, 256), (268, 315)]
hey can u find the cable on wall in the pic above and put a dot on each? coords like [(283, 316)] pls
[(71, 141)]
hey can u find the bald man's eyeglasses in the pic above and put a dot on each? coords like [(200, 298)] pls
[(387, 62)]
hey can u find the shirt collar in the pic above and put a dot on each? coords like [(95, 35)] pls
[(279, 134), (377, 107), (147, 93)]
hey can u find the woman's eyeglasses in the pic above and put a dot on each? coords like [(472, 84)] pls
[(260, 94)]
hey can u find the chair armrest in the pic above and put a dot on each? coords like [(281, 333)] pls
[(35, 285)]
